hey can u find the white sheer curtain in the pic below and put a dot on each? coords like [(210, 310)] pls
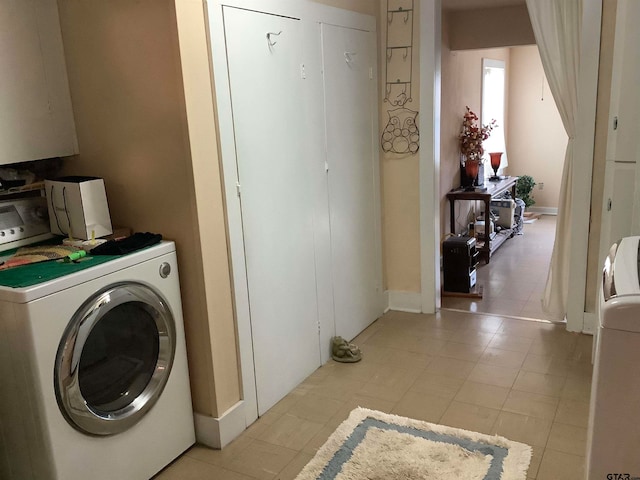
[(557, 25)]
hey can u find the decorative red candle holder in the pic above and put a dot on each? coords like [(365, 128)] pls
[(496, 158)]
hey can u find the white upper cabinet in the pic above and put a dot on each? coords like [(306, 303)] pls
[(624, 112), (36, 118)]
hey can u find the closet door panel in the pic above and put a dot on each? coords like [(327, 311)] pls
[(348, 63), (276, 198), (624, 111), (617, 211)]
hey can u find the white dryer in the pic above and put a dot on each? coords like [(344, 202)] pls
[(93, 372), (613, 435)]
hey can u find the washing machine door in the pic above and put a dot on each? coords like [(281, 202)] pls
[(114, 358)]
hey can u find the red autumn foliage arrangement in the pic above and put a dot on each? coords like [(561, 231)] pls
[(472, 135)]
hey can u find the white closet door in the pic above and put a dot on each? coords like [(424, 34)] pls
[(624, 121), (276, 198), (348, 65)]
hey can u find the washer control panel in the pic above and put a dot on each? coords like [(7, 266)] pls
[(23, 218)]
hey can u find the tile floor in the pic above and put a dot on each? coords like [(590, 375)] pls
[(514, 280), (528, 381)]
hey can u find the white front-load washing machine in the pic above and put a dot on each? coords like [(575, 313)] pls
[(93, 372)]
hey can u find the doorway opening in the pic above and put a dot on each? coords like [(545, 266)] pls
[(507, 85)]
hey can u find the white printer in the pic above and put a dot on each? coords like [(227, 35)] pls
[(506, 210)]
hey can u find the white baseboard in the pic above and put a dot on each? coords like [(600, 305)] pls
[(542, 210), (405, 301), (385, 300), (590, 323), (219, 432)]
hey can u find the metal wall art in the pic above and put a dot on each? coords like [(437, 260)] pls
[(401, 134)]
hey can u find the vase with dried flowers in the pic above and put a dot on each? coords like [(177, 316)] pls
[(471, 138)]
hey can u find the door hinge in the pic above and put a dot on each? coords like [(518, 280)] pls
[(303, 72), (370, 73), (326, 166), (615, 123), (238, 188), (609, 205)]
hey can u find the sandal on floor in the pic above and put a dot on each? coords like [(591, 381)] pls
[(343, 351)]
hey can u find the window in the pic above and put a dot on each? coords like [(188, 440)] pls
[(493, 96)]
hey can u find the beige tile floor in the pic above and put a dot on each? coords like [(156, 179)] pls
[(514, 279), (528, 381)]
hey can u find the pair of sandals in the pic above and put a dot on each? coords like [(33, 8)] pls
[(343, 351)]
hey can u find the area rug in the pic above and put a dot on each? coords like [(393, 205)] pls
[(373, 445)]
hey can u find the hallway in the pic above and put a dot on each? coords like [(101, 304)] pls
[(514, 280), (527, 381)]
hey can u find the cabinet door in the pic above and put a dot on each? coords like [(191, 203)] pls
[(624, 111), (617, 213), (276, 197), (36, 119), (350, 109)]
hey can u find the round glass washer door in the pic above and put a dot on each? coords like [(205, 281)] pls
[(114, 358)]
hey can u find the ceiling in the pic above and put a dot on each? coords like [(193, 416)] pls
[(478, 4)]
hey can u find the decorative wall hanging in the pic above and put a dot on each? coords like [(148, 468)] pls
[(401, 134)]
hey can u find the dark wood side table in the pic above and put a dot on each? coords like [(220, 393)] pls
[(493, 190)]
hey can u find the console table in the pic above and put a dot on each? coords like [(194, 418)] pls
[(493, 189)]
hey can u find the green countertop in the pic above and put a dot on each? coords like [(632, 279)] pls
[(32, 274)]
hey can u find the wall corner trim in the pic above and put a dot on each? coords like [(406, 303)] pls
[(404, 301), (217, 432), (590, 323), (385, 301)]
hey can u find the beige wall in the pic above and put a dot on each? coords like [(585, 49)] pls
[(210, 212), (536, 141), (602, 119), (461, 87), (399, 176), (126, 85), (489, 27)]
